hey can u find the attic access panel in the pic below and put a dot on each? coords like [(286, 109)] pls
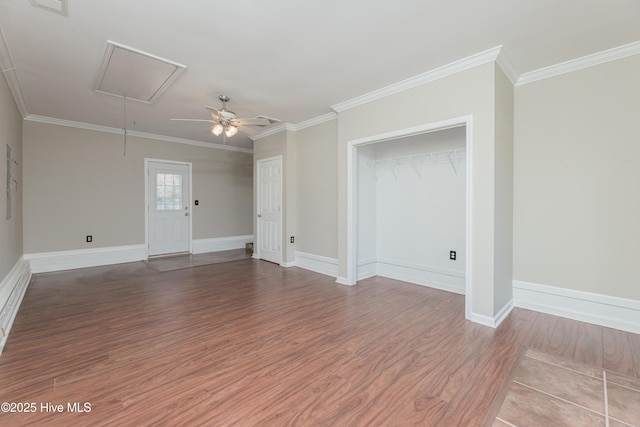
[(131, 73), (55, 6)]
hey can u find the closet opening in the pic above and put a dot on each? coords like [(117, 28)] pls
[(409, 207)]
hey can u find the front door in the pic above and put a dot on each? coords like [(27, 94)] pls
[(269, 209), (169, 200)]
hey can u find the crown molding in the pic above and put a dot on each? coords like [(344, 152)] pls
[(429, 76), (508, 67), (316, 121), (580, 63), (296, 127), (281, 127), (120, 131), (9, 71)]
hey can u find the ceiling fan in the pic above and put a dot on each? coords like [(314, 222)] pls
[(225, 121)]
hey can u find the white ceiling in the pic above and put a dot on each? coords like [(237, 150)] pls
[(287, 59)]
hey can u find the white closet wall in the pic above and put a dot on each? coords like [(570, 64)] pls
[(411, 209)]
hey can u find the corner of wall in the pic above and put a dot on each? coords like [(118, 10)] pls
[(12, 289)]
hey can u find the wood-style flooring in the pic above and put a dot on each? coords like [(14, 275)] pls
[(250, 343)]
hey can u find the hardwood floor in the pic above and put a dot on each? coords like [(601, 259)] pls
[(249, 343)]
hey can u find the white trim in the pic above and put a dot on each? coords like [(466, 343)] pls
[(416, 130), (9, 281), (352, 228), (288, 264), (273, 130), (493, 322), (352, 215), (343, 281), (120, 131), (317, 263), (421, 79), (580, 63), (419, 274), (425, 275), (216, 244), (9, 70), (367, 268), (315, 121), (482, 320), (43, 262), (508, 67), (422, 267), (295, 127), (12, 290), (603, 310), (503, 313)]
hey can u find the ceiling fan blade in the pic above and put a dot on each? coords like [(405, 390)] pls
[(214, 112), (195, 120), (252, 122), (247, 130)]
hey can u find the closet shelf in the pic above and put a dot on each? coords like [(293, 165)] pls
[(418, 161)]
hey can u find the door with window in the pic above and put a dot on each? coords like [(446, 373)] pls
[(169, 201)]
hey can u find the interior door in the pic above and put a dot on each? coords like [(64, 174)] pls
[(269, 223), (169, 199)]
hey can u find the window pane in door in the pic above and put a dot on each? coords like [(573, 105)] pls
[(168, 192)]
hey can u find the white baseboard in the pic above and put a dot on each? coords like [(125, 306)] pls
[(68, 260), (343, 281), (12, 290), (434, 277), (215, 244), (603, 310), (317, 263), (366, 268), (494, 321)]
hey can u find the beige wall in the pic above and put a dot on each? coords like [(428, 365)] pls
[(78, 182), (577, 180), (504, 190), (470, 92), (10, 229), (317, 210)]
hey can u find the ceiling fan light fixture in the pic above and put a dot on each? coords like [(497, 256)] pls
[(217, 129), (226, 121), (230, 131)]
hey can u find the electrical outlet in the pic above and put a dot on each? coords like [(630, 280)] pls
[(197, 202), (89, 239), (292, 239), (452, 255)]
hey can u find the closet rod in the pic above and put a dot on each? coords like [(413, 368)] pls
[(418, 160)]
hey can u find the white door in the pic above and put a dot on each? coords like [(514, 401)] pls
[(269, 209), (169, 201)]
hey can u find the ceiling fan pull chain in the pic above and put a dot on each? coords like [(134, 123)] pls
[(124, 123)]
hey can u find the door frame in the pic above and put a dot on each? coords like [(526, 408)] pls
[(256, 247), (352, 196), (146, 200)]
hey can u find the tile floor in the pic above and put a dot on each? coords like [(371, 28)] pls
[(546, 390)]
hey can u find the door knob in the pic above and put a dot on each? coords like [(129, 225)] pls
[(259, 215)]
